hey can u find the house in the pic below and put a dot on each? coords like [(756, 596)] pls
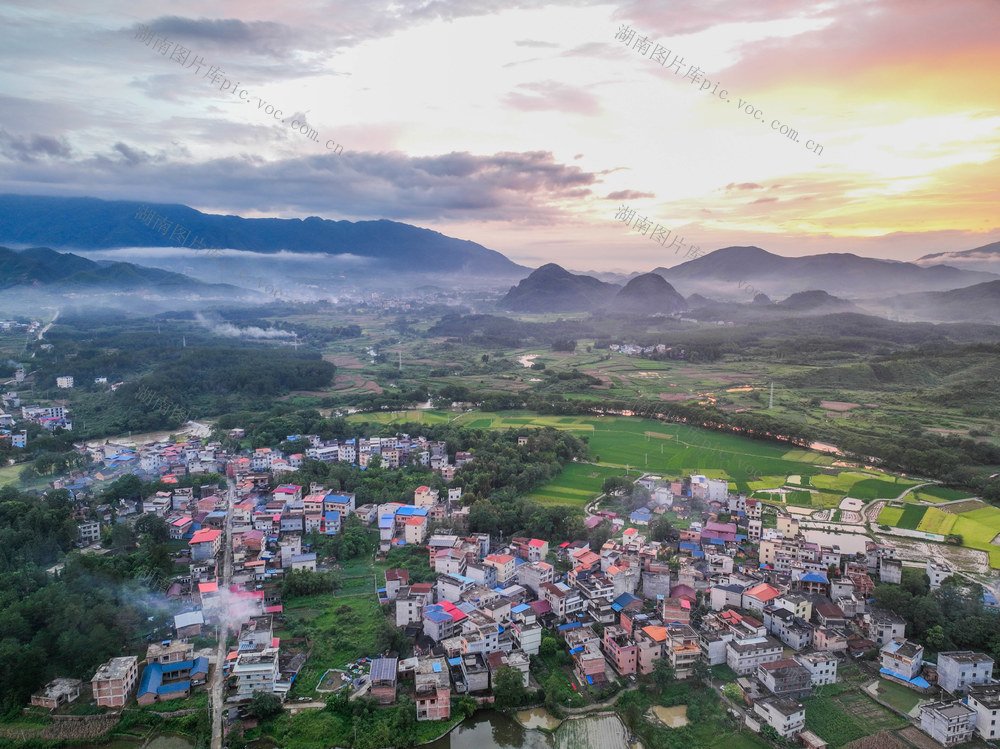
[(169, 651), (682, 648), (783, 714), (255, 670), (304, 562), (902, 659), (205, 544), (533, 574), (883, 626), (948, 723), (785, 678), (958, 669), (830, 639), (415, 530), (744, 656), (513, 659), (985, 700), (822, 667), (759, 596), (89, 532), (394, 580), (505, 567), (620, 650), (115, 680), (188, 624), (432, 692), (57, 692), (589, 663), (170, 681), (383, 680)]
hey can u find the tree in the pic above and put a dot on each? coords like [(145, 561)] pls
[(663, 673), (265, 705), (152, 527), (702, 671), (467, 706), (935, 637), (508, 688)]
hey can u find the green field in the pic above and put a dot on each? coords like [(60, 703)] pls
[(576, 484), (978, 529), (890, 515), (942, 494), (845, 717), (937, 521), (911, 517), (671, 450)]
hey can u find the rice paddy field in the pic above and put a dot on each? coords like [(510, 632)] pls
[(976, 522), (672, 450)]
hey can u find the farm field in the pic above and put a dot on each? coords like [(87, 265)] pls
[(911, 517), (576, 484), (976, 522), (845, 717), (936, 521), (672, 450)]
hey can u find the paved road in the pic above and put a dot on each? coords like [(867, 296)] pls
[(216, 697)]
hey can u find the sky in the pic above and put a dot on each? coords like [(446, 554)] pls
[(528, 127)]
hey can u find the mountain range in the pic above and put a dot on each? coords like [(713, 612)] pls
[(90, 224)]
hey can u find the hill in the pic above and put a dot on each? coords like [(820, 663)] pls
[(551, 288), (814, 302), (91, 224), (741, 272), (42, 268), (648, 294), (978, 303)]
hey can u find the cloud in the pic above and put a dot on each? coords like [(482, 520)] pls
[(228, 330), (743, 186), (454, 186), (534, 43), (29, 148), (628, 195), (554, 96)]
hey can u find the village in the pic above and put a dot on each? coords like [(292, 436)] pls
[(739, 591)]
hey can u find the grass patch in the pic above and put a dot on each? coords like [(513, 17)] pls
[(575, 485), (944, 494), (879, 489), (897, 696)]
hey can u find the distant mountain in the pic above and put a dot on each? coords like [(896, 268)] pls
[(979, 303), (816, 302), (88, 223), (697, 300), (40, 268), (742, 272), (762, 300), (648, 294), (551, 288), (985, 258)]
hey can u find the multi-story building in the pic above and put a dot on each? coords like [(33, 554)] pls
[(985, 700), (533, 574), (822, 667), (255, 671), (505, 567), (958, 669), (884, 626), (783, 714), (903, 659), (948, 723), (744, 656), (114, 681), (682, 649), (621, 650), (785, 678), (432, 689)]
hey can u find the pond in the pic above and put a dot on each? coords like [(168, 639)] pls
[(492, 730), (167, 741), (538, 717), (671, 717)]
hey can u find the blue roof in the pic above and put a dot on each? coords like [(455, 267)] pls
[(519, 608), (815, 577), (616, 607), (688, 546), (917, 681), (625, 599), (575, 650), (569, 625), (338, 497), (177, 686), (437, 617), (454, 661), (436, 666)]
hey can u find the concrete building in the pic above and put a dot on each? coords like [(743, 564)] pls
[(114, 681), (432, 691), (822, 667), (255, 672), (533, 574), (57, 692), (948, 723), (985, 700), (902, 658), (383, 680), (958, 669), (744, 656), (783, 714), (785, 678)]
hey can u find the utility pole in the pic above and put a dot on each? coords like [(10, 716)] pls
[(770, 404)]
